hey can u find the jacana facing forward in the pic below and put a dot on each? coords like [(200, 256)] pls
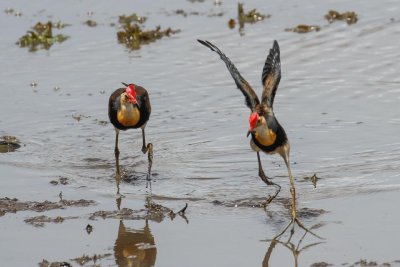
[(129, 108), (267, 134)]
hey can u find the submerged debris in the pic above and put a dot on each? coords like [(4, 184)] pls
[(78, 117), (61, 180), (13, 205), (46, 263), (152, 211), (366, 263), (89, 229), (350, 17), (9, 143), (84, 259), (304, 28), (307, 213), (42, 36), (90, 23), (101, 122), (39, 221), (11, 11), (320, 264)]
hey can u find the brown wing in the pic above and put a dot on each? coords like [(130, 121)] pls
[(271, 75), (249, 94)]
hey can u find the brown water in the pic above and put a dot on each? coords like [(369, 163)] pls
[(338, 101)]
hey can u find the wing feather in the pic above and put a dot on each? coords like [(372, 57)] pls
[(248, 92), (271, 75)]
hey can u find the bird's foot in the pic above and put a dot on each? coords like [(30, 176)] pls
[(273, 196), (292, 223)]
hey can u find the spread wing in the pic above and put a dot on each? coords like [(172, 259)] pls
[(249, 94), (271, 75)]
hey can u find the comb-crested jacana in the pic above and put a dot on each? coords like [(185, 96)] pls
[(129, 108), (267, 135)]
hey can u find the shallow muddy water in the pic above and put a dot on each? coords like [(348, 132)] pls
[(337, 100)]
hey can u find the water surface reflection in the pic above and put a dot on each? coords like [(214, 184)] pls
[(135, 247)]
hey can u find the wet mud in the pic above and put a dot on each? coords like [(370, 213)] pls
[(13, 205)]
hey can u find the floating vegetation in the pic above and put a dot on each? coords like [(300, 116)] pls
[(9, 144), (252, 16), (42, 36), (133, 36), (350, 17), (184, 13), (304, 28), (90, 23), (131, 19)]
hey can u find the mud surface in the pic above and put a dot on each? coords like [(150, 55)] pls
[(337, 100), (13, 205)]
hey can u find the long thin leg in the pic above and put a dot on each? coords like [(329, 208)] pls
[(149, 150), (292, 188), (294, 220), (117, 174), (267, 181), (116, 151)]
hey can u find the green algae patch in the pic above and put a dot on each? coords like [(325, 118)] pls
[(42, 37), (302, 28), (350, 17), (133, 35)]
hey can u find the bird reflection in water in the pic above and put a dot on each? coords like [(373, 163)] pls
[(135, 248), (295, 249)]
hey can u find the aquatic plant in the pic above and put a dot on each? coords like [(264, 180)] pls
[(252, 16), (350, 17), (9, 143), (42, 36), (304, 28), (133, 36), (123, 19)]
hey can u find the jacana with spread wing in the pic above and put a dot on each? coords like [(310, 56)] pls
[(267, 135)]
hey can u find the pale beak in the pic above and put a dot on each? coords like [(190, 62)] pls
[(249, 132)]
